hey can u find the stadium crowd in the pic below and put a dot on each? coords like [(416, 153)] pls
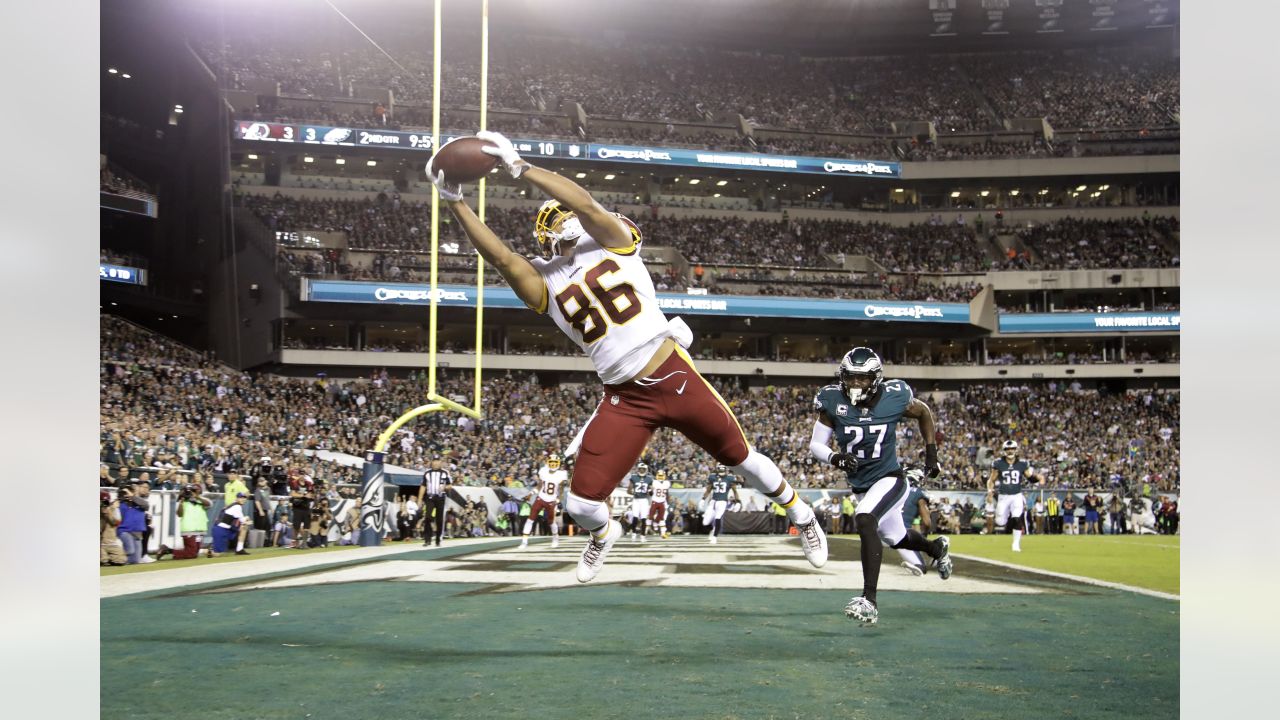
[(1108, 88), (1074, 244), (162, 404), (1128, 88), (390, 222)]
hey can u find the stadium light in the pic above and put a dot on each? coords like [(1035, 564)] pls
[(340, 161), (722, 183), (1014, 192), (985, 193), (308, 158), (898, 190), (716, 195), (252, 156), (371, 163), (610, 176), (1044, 191), (955, 193), (1104, 188), (694, 181), (1082, 188), (126, 76), (113, 71), (580, 175)]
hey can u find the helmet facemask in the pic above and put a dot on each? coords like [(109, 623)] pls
[(1009, 449), (556, 229), (553, 462), (861, 375)]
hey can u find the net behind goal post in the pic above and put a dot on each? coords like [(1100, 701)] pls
[(372, 504)]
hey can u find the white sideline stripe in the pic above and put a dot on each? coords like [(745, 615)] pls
[(1077, 578), (168, 579)]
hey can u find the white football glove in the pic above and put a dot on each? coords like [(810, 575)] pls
[(504, 151), (451, 192)]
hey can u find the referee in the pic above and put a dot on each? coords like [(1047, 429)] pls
[(431, 495)]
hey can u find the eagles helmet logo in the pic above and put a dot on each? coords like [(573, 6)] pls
[(337, 135), (861, 374), (1009, 449)]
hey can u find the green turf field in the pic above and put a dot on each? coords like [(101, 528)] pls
[(420, 648), (1146, 561)]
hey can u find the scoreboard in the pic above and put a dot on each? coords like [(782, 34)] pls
[(259, 131), (395, 139)]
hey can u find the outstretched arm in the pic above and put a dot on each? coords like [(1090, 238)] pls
[(514, 267), (599, 223)]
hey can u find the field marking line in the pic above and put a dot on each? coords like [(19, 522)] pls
[(175, 578), (1077, 578)]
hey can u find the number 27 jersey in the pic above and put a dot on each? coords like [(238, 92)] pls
[(869, 433), (604, 300)]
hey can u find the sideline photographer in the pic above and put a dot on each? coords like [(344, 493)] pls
[(111, 549), (133, 522), (228, 525), (193, 514)]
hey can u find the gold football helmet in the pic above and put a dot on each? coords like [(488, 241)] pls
[(555, 224), (557, 228), (661, 475), (553, 461)]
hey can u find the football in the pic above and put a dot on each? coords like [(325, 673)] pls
[(462, 160)]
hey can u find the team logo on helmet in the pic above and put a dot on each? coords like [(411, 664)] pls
[(553, 461), (661, 475), (557, 228), (1009, 448), (554, 226), (861, 374)]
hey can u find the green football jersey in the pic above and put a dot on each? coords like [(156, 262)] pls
[(1012, 476), (720, 485), (641, 484), (869, 433)]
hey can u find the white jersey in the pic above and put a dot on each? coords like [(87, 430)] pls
[(549, 483), (605, 302), (660, 488)]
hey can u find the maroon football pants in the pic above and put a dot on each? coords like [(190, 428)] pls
[(673, 396)]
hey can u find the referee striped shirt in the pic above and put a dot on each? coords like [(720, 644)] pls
[(435, 480)]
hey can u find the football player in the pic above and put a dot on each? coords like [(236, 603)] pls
[(861, 413), (658, 509), (594, 285), (916, 506), (720, 484), (641, 486), (1008, 475), (551, 478)]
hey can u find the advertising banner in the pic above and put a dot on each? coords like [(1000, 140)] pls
[(122, 274), (344, 291), (1067, 322)]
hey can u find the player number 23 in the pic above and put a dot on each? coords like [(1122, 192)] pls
[(586, 317)]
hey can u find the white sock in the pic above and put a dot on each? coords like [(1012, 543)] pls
[(1017, 536), (555, 529), (762, 474), (591, 515), (911, 557), (528, 528)]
